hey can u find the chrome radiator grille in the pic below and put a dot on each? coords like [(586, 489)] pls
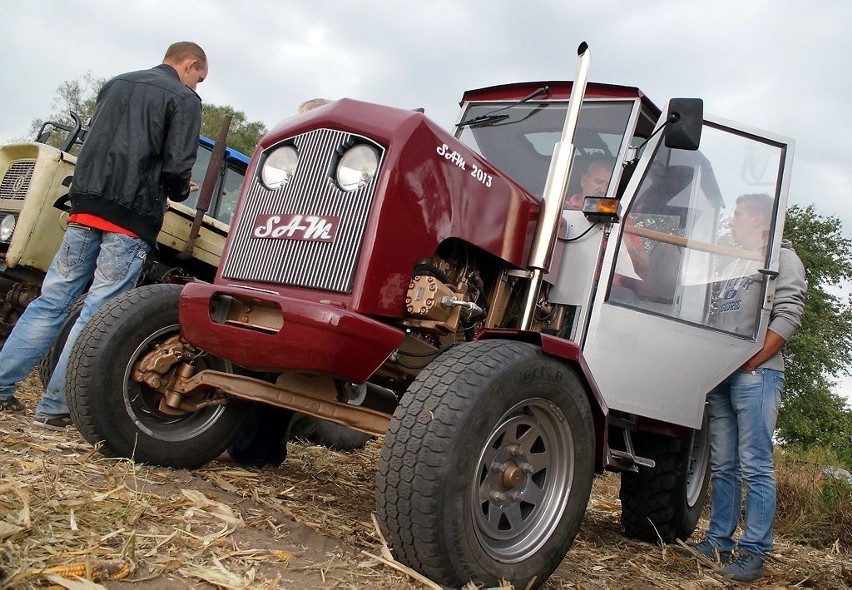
[(16, 181), (329, 266)]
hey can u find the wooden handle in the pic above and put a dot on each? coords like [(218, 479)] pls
[(659, 236)]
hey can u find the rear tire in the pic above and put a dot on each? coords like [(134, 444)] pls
[(336, 436), (487, 466), (328, 434), (109, 407), (665, 503)]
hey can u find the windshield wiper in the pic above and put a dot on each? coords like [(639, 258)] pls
[(484, 120), (491, 116)]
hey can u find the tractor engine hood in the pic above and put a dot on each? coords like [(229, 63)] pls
[(428, 188)]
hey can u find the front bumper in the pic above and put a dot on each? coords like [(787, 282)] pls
[(293, 334)]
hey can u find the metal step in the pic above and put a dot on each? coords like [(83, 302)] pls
[(631, 459)]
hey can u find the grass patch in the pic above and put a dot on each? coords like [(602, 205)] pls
[(810, 509)]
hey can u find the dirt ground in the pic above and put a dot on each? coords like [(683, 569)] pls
[(307, 524)]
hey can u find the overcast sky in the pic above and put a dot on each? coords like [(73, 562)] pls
[(779, 65)]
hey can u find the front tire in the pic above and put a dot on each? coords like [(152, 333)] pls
[(665, 503), (487, 466), (109, 407)]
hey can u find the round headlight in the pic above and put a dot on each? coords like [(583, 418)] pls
[(279, 167), (357, 167), (7, 228)]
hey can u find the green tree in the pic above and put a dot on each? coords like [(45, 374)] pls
[(77, 95), (80, 95), (821, 351), (244, 135)]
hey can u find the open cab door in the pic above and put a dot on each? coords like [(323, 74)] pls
[(670, 318)]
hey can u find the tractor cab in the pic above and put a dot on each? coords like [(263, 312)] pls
[(647, 292)]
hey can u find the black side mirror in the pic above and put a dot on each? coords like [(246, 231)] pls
[(683, 123)]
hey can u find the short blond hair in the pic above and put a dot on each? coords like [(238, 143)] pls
[(182, 50), (312, 104), (758, 204)]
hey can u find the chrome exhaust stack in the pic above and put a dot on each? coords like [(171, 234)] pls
[(555, 189)]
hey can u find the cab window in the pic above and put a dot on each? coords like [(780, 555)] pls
[(226, 191)]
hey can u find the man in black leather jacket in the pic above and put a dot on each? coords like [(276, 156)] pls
[(139, 151), (141, 145)]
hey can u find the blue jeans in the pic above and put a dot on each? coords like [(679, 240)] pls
[(743, 410), (111, 262)]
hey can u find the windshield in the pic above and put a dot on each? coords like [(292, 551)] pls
[(227, 189), (520, 140)]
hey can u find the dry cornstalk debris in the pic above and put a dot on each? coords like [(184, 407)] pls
[(67, 511)]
